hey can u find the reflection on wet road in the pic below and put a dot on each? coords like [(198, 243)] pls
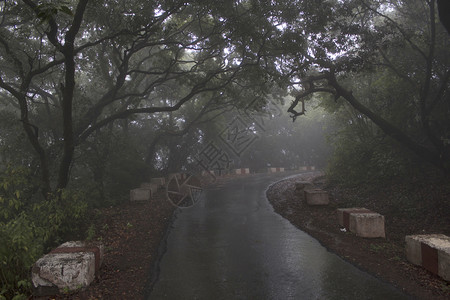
[(232, 245)]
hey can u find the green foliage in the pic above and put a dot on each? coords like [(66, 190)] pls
[(364, 154), (90, 233), (20, 246), (47, 11), (30, 224)]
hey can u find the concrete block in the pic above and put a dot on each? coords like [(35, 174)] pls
[(431, 251), (275, 170), (307, 168), (81, 246), (242, 171), (153, 187), (316, 197), (141, 194), (343, 215), (368, 225), (413, 249), (71, 266)]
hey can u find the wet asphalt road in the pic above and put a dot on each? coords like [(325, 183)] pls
[(232, 245)]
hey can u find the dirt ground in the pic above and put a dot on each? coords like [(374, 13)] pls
[(133, 232), (384, 258)]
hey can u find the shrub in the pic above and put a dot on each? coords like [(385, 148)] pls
[(29, 225)]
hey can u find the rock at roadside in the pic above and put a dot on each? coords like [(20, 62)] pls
[(367, 225), (362, 221), (153, 187), (431, 251), (343, 215), (303, 185), (71, 266), (141, 194)]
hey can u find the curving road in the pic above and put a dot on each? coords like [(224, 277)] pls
[(232, 245)]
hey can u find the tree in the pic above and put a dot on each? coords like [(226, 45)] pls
[(86, 64), (403, 39)]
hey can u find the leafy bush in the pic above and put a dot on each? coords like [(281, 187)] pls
[(29, 225), (374, 159), (20, 245)]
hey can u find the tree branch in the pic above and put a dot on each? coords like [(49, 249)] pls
[(388, 128)]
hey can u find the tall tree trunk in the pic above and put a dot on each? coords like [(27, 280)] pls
[(69, 147), (33, 136), (68, 93)]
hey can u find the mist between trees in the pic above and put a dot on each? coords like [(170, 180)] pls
[(97, 96)]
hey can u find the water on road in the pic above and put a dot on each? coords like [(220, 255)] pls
[(232, 245)]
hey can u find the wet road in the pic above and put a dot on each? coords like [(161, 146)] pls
[(232, 245)]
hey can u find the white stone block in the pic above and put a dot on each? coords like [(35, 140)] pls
[(303, 185), (242, 171), (96, 247), (431, 251), (368, 225), (343, 215), (307, 168), (140, 194), (71, 266), (153, 187), (64, 270), (413, 249)]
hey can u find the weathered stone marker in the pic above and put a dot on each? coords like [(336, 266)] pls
[(307, 168), (316, 197), (431, 251), (71, 266), (140, 194), (153, 187), (362, 221), (368, 225), (344, 215)]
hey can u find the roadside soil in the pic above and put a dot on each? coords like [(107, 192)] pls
[(131, 234), (384, 258)]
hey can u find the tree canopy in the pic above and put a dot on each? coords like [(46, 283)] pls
[(402, 40), (69, 69)]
